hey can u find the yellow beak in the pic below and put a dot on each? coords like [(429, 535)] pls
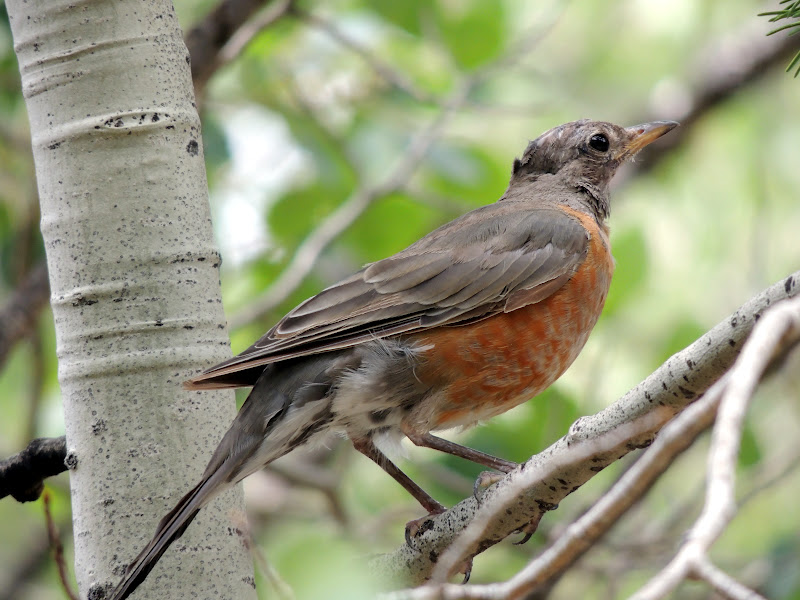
[(640, 136)]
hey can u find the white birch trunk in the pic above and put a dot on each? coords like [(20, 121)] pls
[(135, 286)]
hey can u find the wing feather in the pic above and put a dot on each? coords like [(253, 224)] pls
[(497, 258)]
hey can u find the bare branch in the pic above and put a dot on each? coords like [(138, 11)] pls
[(58, 549), (678, 435), (209, 37), (22, 475), (593, 443), (241, 38), (725, 585), (723, 69), (581, 535), (19, 315), (778, 330), (381, 68)]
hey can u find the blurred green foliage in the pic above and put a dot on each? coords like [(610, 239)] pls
[(299, 122)]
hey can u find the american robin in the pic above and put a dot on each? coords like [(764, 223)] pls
[(473, 319)]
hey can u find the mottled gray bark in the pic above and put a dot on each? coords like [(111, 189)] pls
[(135, 285)]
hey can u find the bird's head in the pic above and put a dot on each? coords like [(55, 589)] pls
[(584, 155)]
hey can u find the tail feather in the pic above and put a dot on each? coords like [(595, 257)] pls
[(169, 529), (282, 412)]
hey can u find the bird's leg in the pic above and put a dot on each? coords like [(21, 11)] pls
[(368, 449), (426, 440), (417, 526)]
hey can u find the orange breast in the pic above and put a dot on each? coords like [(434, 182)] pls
[(495, 364)]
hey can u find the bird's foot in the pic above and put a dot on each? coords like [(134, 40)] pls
[(418, 527), (528, 530), (485, 479), (466, 569)]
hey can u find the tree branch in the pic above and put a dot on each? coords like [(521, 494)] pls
[(777, 331), (58, 549), (725, 585), (30, 561), (19, 315), (678, 435), (240, 39), (592, 444), (209, 37), (22, 475), (381, 68), (723, 69)]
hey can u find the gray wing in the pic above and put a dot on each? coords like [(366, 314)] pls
[(497, 258)]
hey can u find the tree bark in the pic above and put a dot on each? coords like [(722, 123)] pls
[(134, 274)]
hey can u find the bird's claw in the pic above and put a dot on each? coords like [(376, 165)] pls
[(418, 527), (467, 570), (529, 529), (485, 480)]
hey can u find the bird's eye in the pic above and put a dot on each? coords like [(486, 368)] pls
[(599, 142)]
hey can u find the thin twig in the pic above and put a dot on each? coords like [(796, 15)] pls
[(58, 548), (248, 31), (207, 40), (283, 591), (19, 314), (383, 69), (725, 585)]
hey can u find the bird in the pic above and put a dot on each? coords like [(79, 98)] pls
[(473, 319)]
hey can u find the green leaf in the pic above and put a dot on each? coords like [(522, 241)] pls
[(298, 211), (530, 428), (795, 62), (630, 252), (792, 11), (474, 30), (681, 335), (750, 450), (406, 14), (784, 577), (389, 225), (465, 173)]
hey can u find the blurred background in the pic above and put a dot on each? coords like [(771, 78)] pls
[(336, 133)]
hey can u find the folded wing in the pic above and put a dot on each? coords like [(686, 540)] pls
[(497, 258)]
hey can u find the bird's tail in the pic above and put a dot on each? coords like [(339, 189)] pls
[(171, 527), (284, 410)]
